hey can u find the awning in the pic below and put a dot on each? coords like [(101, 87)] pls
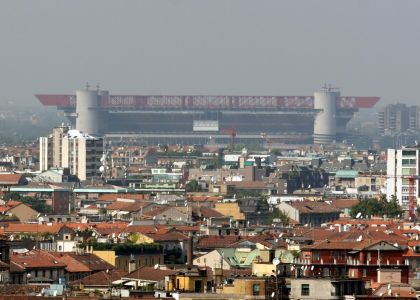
[(119, 281), (130, 283)]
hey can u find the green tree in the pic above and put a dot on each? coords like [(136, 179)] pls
[(193, 186), (276, 213), (374, 207)]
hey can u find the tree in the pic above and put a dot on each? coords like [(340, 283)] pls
[(193, 186), (374, 207), (279, 214)]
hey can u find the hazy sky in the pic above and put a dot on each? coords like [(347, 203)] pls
[(210, 47)]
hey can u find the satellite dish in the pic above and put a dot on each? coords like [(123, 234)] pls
[(273, 294), (281, 234), (156, 266), (292, 268), (312, 268), (276, 261), (359, 214), (101, 169)]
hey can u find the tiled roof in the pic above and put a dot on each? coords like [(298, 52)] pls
[(207, 212), (150, 273), (344, 203), (170, 236), (32, 228), (88, 260), (310, 207), (10, 178), (127, 206), (36, 259), (102, 278), (72, 265), (216, 241), (342, 245)]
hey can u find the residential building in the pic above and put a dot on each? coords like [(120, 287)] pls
[(8, 180), (310, 212), (70, 148), (36, 267), (325, 288), (396, 118), (376, 261), (21, 211), (403, 170)]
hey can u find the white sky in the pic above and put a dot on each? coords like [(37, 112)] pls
[(258, 47)]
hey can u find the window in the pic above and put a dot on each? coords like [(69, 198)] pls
[(304, 290), (315, 256), (255, 289), (364, 273)]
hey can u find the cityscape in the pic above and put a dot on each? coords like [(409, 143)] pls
[(206, 193)]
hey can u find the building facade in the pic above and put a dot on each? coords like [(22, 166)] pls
[(69, 148), (401, 165), (395, 118)]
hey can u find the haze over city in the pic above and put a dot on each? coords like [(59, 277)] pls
[(210, 47), (212, 149)]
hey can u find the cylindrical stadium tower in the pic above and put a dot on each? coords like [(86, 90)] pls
[(325, 127), (88, 111)]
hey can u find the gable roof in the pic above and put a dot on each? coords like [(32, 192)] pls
[(32, 228), (127, 206), (313, 207), (36, 259), (10, 179), (102, 278)]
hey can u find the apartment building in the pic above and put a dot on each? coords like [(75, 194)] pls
[(69, 148), (401, 165)]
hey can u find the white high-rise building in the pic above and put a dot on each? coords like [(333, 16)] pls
[(70, 148), (401, 165)]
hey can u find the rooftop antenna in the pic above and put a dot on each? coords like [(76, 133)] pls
[(87, 86), (98, 87)]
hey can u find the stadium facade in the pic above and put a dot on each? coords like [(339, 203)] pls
[(175, 119)]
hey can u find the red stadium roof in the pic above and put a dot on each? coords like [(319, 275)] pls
[(208, 102)]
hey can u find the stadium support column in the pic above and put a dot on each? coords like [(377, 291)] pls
[(88, 111), (325, 126)]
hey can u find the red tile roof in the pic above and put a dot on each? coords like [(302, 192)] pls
[(127, 206), (313, 207), (36, 259), (102, 278), (32, 228), (12, 179)]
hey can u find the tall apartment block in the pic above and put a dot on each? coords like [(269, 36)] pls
[(70, 148), (401, 165), (396, 118)]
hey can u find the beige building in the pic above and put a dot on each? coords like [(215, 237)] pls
[(69, 148), (231, 209), (20, 210)]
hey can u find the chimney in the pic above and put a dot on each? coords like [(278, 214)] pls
[(131, 264), (190, 251)]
